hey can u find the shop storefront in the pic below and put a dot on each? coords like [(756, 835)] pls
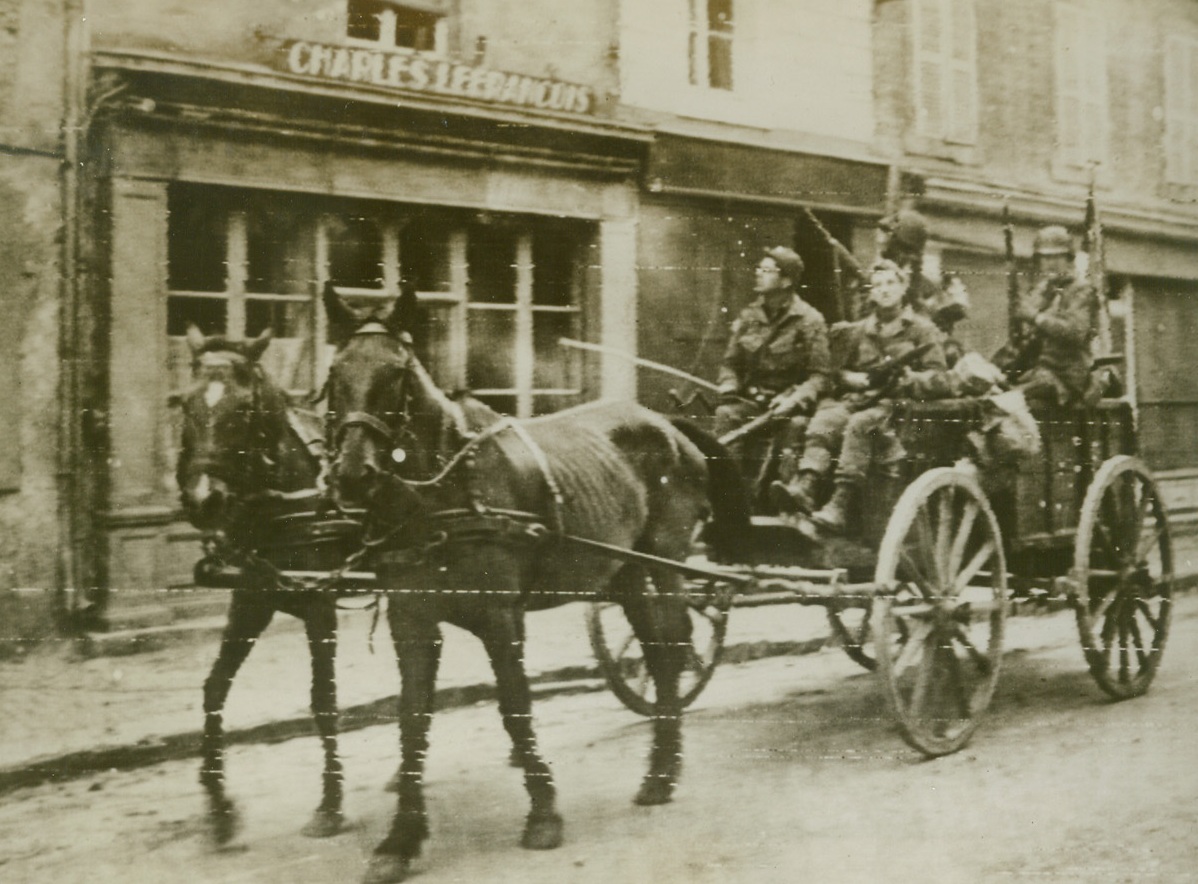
[(229, 199)]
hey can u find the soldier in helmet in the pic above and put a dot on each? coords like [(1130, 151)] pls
[(1059, 319), (902, 238), (777, 358)]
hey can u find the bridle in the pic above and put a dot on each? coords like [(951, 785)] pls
[(396, 437)]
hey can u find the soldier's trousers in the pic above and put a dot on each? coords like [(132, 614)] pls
[(858, 437)]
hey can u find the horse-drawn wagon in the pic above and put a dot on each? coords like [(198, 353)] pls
[(473, 521), (938, 555)]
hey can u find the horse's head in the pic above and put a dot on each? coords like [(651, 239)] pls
[(232, 421), (371, 386)]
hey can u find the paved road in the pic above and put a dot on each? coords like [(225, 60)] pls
[(793, 772)]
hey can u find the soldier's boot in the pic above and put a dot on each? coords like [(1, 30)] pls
[(797, 495), (833, 516)]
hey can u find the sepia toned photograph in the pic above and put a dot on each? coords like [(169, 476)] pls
[(594, 441)]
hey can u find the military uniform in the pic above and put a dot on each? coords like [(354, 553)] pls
[(862, 346), (1066, 320), (766, 358)]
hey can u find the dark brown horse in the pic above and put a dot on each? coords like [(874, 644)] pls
[(484, 540), (247, 472)]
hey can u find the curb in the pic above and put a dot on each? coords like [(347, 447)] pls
[(176, 747)]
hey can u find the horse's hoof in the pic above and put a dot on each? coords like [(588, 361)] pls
[(543, 832), (385, 868), (224, 823), (393, 783), (654, 791), (324, 824)]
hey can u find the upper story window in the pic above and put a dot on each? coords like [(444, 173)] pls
[(1181, 110), (1081, 79), (711, 43), (396, 25), (945, 55)]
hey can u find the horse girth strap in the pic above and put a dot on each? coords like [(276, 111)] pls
[(464, 526)]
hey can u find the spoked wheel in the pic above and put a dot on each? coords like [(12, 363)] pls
[(622, 661), (941, 608), (1123, 573)]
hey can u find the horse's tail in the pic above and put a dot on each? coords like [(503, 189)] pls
[(728, 530)]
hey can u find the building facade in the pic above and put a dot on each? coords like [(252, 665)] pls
[(607, 171)]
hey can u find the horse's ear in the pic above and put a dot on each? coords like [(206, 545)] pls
[(342, 320), (255, 348), (195, 339), (402, 317)]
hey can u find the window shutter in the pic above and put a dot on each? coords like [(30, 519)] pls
[(1177, 107), (962, 80), (1070, 110), (928, 30)]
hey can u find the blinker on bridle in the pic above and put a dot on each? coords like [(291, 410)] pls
[(367, 420)]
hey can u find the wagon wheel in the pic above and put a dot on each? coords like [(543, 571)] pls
[(622, 662), (1123, 574), (941, 606)]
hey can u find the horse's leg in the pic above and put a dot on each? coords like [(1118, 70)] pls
[(661, 623), (248, 617), (417, 643), (502, 633), (320, 623)]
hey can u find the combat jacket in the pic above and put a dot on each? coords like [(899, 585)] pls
[(1066, 320), (770, 358), (866, 344)]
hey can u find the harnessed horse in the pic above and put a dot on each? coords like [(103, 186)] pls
[(485, 537), (248, 464)]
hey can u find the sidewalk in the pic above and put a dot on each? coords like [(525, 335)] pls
[(65, 715)]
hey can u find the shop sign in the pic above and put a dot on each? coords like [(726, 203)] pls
[(413, 72)]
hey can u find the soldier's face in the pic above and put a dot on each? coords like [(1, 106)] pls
[(768, 276), (886, 289), (1053, 265)]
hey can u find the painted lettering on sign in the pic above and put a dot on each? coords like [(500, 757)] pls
[(413, 72)]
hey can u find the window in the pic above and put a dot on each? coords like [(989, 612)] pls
[(395, 25), (945, 43), (497, 292), (1181, 110), (711, 43), (1081, 77)]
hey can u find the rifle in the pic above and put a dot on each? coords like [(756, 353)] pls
[(749, 428), (886, 373), (1018, 354)]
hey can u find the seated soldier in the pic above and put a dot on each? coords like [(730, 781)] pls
[(1059, 317), (857, 424), (777, 358)]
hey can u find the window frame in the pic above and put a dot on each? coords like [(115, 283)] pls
[(1080, 59), (387, 28), (956, 69), (701, 36), (1180, 142)]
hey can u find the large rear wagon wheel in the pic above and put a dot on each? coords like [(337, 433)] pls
[(622, 661), (940, 612), (1123, 574)]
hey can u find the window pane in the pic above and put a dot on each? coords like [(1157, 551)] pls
[(209, 314), (415, 29), (287, 319), (554, 257), (490, 361), (364, 19), (432, 337), (491, 254), (278, 254), (719, 61), (556, 367), (355, 252), (502, 404), (424, 254), (196, 244)]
